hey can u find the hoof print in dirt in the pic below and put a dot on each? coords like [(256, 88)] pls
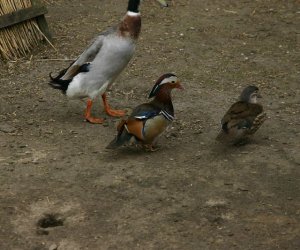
[(48, 221)]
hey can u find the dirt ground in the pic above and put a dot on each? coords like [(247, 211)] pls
[(191, 194)]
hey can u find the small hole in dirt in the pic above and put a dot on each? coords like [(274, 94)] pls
[(50, 220)]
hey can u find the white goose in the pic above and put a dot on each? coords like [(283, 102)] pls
[(100, 64)]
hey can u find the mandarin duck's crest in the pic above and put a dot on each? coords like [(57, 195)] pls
[(147, 121), (243, 118), (166, 78)]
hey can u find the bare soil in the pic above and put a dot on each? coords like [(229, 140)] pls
[(61, 189)]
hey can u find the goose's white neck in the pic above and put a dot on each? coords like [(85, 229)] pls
[(130, 13)]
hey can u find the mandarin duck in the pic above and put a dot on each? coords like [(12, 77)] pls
[(243, 118), (147, 121), (100, 64)]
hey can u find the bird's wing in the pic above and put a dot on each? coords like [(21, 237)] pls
[(241, 115), (122, 137), (87, 55), (136, 121), (257, 122), (145, 111)]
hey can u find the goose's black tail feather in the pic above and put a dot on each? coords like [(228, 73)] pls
[(58, 83)]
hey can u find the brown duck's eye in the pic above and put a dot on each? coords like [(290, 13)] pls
[(173, 81)]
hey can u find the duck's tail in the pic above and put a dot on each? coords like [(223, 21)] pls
[(58, 83), (122, 137), (222, 136)]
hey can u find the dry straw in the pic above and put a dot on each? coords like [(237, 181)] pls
[(17, 40)]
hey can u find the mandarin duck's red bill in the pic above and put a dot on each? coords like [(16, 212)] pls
[(149, 120), (243, 118), (101, 62)]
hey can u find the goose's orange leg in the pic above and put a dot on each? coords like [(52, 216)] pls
[(88, 116), (110, 111)]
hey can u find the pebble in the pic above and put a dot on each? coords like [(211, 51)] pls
[(53, 247), (7, 128), (244, 189)]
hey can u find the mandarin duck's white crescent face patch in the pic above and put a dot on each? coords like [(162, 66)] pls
[(171, 79)]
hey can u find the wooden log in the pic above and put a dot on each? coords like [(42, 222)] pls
[(37, 11), (21, 15)]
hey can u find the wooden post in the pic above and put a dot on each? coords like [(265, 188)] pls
[(41, 20), (36, 11)]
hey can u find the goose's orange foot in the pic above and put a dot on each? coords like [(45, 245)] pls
[(115, 113), (88, 116), (94, 120), (109, 111)]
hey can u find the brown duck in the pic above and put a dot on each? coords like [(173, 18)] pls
[(243, 118)]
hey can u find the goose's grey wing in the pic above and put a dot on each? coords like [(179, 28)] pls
[(87, 55)]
